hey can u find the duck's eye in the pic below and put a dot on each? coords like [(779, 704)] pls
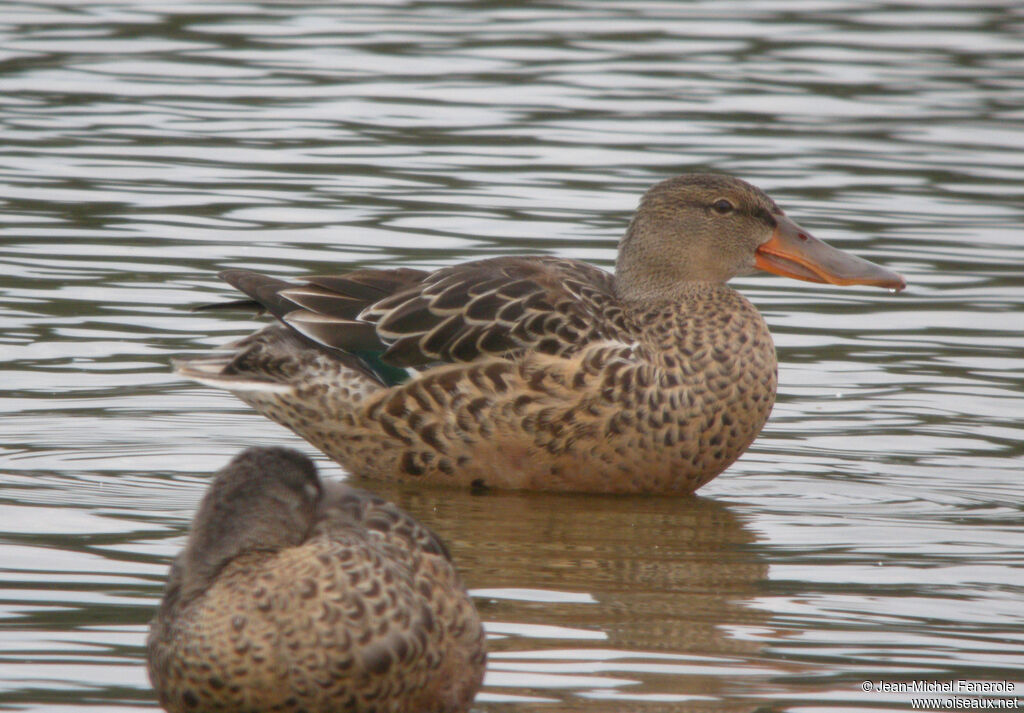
[(722, 206)]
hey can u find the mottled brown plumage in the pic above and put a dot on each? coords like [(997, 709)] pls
[(539, 372), (292, 595)]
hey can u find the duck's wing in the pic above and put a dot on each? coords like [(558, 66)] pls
[(324, 309), (498, 306), (343, 507)]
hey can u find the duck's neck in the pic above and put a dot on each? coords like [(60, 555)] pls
[(651, 261), (654, 295)]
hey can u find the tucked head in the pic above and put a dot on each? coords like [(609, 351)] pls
[(264, 499), (710, 228)]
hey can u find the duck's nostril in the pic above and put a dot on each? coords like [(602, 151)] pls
[(802, 236)]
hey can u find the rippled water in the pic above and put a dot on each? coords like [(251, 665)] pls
[(873, 532)]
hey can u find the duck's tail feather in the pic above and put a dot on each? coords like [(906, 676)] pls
[(215, 371), (277, 360)]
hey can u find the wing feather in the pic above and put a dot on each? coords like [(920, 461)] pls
[(498, 307)]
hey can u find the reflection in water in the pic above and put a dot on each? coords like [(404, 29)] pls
[(650, 589)]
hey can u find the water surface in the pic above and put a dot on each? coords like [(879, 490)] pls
[(873, 532)]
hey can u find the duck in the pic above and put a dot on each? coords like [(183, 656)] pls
[(540, 372), (296, 594)]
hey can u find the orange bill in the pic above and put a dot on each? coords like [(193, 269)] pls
[(793, 252)]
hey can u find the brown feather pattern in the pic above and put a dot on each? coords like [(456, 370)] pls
[(350, 604), (534, 372)]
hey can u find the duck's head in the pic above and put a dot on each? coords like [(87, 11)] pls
[(710, 228), (264, 499)]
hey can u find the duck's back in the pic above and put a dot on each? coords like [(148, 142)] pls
[(352, 619)]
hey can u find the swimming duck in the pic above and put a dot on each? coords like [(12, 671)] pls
[(294, 594), (539, 372)]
